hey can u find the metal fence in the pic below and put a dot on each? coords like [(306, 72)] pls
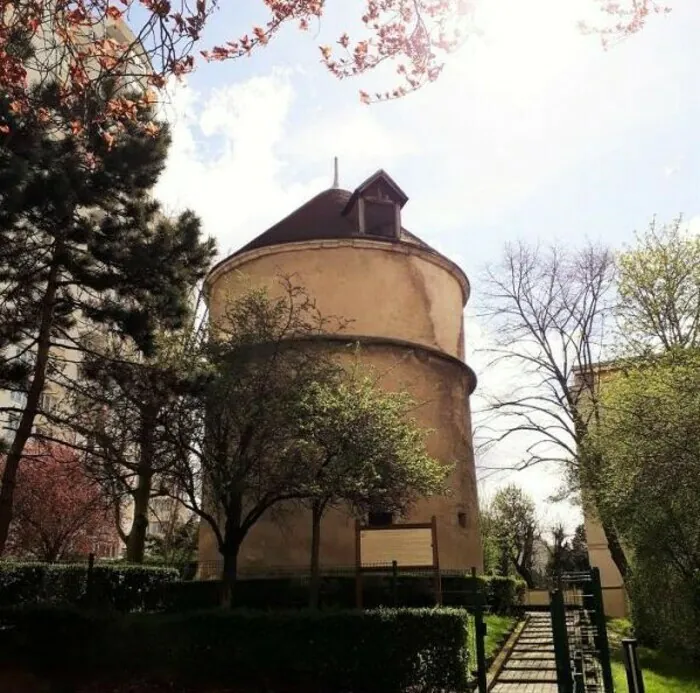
[(580, 635)]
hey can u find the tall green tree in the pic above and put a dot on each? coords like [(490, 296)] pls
[(567, 555), (659, 290), (649, 439), (492, 555), (85, 249), (122, 407), (513, 529), (362, 451), (236, 433)]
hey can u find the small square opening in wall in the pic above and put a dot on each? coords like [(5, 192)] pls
[(462, 519), (380, 519)]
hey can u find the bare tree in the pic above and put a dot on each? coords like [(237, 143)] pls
[(551, 311)]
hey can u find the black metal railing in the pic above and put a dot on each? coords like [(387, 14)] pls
[(580, 636)]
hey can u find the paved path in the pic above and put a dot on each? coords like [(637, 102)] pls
[(530, 667)]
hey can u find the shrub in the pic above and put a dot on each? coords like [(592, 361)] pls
[(671, 622), (382, 651), (119, 586), (505, 594), (500, 595)]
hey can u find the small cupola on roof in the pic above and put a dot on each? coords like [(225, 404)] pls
[(374, 209)]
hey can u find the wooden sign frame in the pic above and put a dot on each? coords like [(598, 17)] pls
[(360, 569)]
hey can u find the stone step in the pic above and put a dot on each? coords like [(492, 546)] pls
[(521, 687), (531, 655), (522, 664), (528, 676)]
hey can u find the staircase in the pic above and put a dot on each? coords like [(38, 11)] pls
[(530, 667)]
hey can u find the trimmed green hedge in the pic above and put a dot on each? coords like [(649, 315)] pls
[(121, 587), (500, 595), (379, 651)]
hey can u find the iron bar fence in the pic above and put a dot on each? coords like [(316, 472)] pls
[(580, 634)]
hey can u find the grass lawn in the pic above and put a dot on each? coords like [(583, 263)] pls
[(497, 627), (662, 674)]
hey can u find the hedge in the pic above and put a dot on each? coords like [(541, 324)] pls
[(121, 587), (377, 651), (502, 595)]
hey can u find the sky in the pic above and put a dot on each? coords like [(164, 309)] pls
[(532, 132)]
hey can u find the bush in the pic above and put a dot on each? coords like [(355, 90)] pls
[(121, 587), (505, 594), (500, 595), (670, 622), (382, 651)]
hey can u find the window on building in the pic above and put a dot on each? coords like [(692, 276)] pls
[(380, 519), (47, 402), (19, 397), (381, 218), (462, 519)]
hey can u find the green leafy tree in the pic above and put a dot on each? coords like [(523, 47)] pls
[(567, 555), (649, 439), (85, 249), (659, 290), (176, 542), (236, 434), (122, 407), (362, 451), (514, 528), (492, 555)]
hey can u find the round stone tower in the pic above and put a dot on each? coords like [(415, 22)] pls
[(404, 303)]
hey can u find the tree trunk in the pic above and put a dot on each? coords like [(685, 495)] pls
[(233, 538), (315, 578), (617, 552), (228, 577), (525, 573), (136, 544), (26, 423)]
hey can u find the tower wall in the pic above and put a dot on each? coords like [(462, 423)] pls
[(385, 289), (405, 308)]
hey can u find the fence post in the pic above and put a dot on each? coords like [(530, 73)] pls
[(479, 636), (635, 680), (436, 561), (90, 581), (561, 642), (602, 644), (358, 564), (579, 682), (394, 583)]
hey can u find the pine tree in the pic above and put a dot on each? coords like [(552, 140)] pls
[(84, 250), (122, 406)]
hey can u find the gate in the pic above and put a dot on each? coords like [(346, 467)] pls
[(580, 637)]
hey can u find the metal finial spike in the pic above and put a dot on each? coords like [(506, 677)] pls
[(336, 181)]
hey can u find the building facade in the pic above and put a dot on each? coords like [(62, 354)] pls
[(614, 593), (404, 304)]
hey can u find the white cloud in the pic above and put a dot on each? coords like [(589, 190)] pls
[(223, 163), (241, 163)]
